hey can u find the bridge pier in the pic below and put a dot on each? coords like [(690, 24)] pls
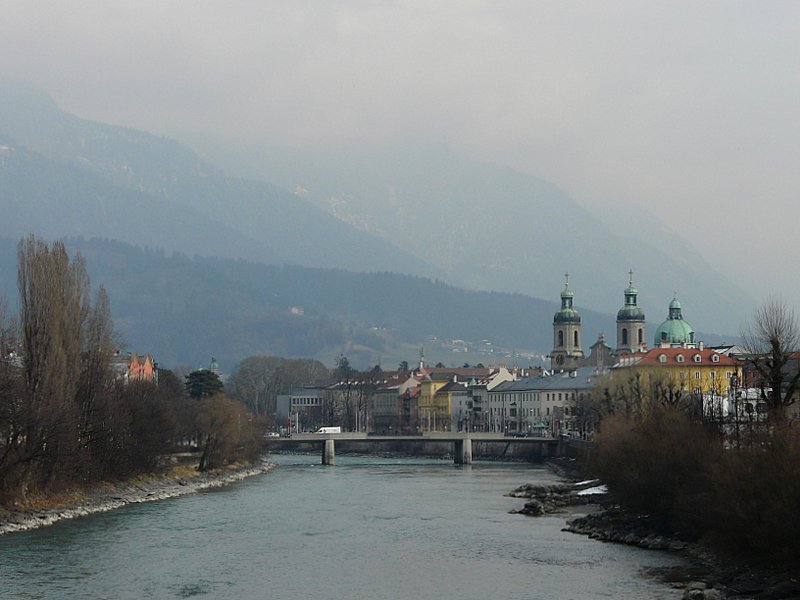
[(463, 452), (328, 453), (544, 450)]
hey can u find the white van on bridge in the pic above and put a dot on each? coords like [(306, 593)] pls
[(329, 430)]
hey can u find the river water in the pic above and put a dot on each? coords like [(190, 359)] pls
[(368, 528)]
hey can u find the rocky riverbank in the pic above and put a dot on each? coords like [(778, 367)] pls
[(543, 499), (711, 577), (108, 496), (708, 577)]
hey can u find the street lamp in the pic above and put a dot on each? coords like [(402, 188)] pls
[(734, 386)]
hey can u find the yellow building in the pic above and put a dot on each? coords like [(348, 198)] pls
[(444, 405), (675, 372)]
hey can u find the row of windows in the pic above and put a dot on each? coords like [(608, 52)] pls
[(662, 358), (305, 401), (507, 398), (532, 412), (699, 375)]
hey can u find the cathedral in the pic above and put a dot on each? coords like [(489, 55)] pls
[(568, 355)]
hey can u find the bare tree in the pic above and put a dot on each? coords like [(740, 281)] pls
[(12, 406), (769, 342), (53, 310), (98, 344), (623, 392), (258, 380)]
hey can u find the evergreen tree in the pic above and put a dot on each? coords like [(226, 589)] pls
[(202, 384)]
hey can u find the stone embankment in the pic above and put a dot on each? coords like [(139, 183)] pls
[(115, 495), (711, 576), (706, 577), (613, 525)]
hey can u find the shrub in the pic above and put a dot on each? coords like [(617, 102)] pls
[(659, 465), (757, 492)]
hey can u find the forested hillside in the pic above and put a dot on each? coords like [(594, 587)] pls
[(185, 310)]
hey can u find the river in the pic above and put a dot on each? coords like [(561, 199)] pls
[(368, 528)]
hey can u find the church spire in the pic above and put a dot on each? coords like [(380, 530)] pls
[(567, 353), (630, 322)]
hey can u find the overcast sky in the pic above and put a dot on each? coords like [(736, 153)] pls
[(690, 109)]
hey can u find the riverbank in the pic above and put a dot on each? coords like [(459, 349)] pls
[(178, 481), (710, 576)]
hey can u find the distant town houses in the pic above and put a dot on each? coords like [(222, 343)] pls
[(131, 367), (125, 366), (562, 400)]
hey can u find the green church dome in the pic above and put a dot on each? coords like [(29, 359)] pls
[(674, 331), (567, 314), (630, 312)]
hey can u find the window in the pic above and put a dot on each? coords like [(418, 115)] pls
[(641, 335), (560, 338), (662, 358), (697, 375), (715, 358), (713, 374), (679, 358), (575, 338), (624, 336), (697, 358)]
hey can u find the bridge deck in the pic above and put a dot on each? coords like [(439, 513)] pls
[(433, 437), (462, 442)]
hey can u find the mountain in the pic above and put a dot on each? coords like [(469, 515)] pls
[(185, 310), (272, 257), (491, 227), (65, 176)]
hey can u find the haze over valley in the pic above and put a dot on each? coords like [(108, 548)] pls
[(428, 214), (486, 148)]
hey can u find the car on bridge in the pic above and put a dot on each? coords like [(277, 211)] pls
[(329, 430)]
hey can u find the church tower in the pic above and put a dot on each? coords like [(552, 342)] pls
[(567, 354), (630, 323)]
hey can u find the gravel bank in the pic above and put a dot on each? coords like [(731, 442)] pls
[(111, 496)]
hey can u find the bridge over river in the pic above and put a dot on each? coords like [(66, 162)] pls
[(462, 442)]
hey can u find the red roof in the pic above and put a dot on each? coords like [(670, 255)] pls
[(684, 356)]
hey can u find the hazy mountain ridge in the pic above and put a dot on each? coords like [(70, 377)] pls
[(492, 227), (483, 225), (186, 309), (160, 179), (55, 200)]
